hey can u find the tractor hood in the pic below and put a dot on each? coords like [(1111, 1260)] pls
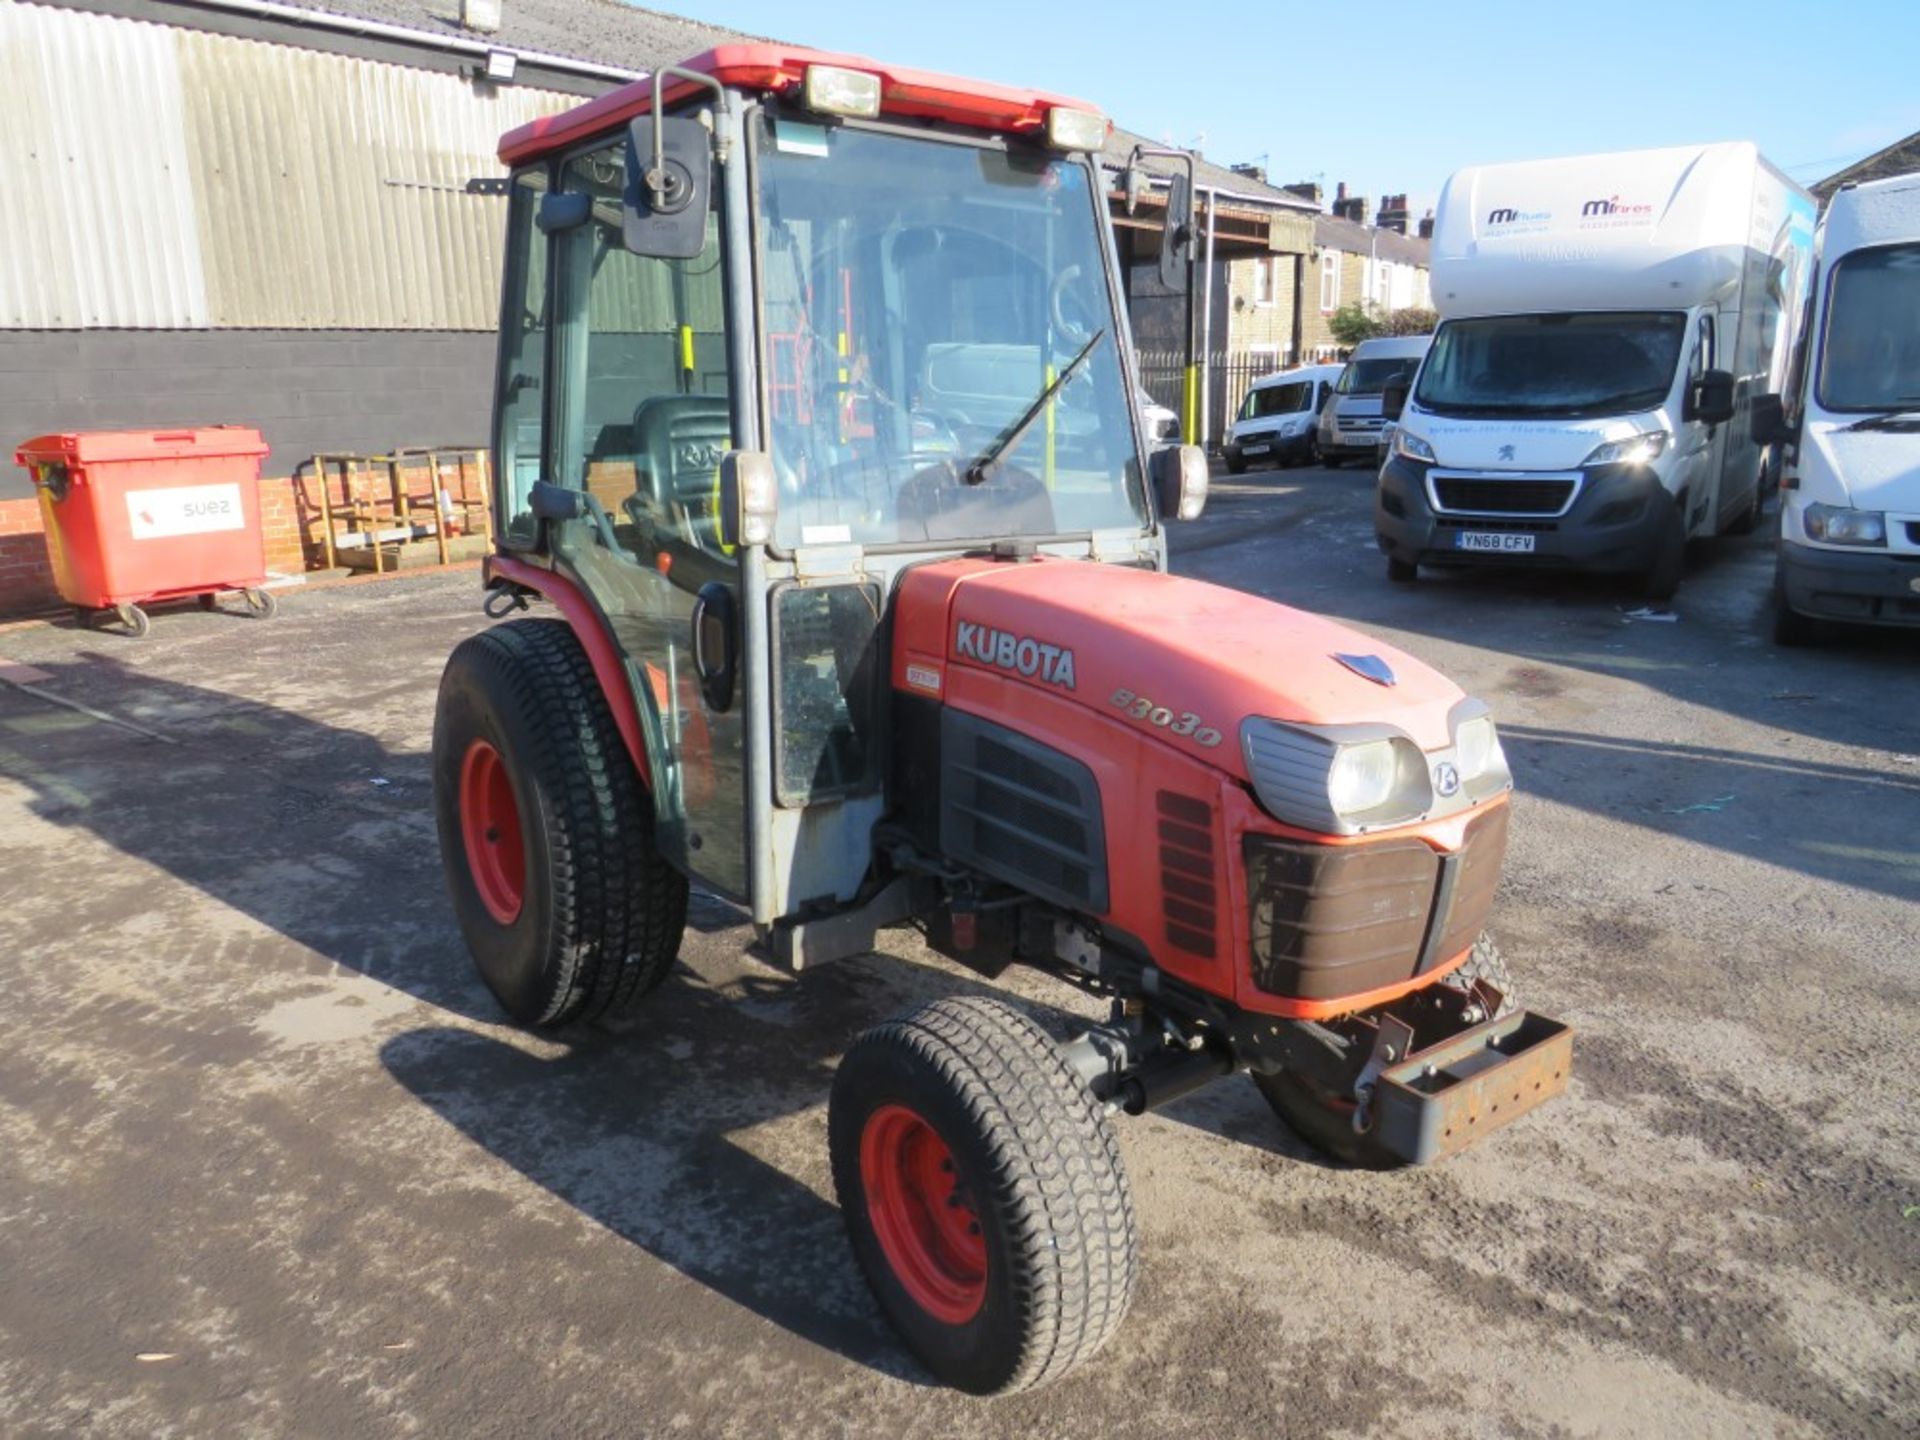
[(1205, 657)]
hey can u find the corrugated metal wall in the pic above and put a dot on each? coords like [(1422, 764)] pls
[(167, 178)]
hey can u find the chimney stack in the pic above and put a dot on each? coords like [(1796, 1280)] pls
[(1349, 207), (480, 15), (1252, 172), (1393, 213), (1426, 226), (1305, 189)]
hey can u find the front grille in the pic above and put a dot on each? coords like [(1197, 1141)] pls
[(1537, 527), (1504, 497), (1329, 921), (1187, 873)]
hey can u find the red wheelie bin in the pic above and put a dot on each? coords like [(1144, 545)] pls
[(135, 516)]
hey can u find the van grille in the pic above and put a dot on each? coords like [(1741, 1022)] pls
[(1503, 497)]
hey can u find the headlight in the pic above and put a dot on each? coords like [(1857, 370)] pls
[(1641, 449), (1293, 427), (1477, 751), (1412, 447), (1338, 780), (1843, 525)]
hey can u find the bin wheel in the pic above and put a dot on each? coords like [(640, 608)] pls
[(262, 603), (135, 619), (1325, 1121), (983, 1194), (546, 832)]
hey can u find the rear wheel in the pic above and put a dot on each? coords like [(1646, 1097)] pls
[(983, 1194), (546, 834), (1325, 1120)]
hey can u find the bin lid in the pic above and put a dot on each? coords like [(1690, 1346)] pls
[(92, 446)]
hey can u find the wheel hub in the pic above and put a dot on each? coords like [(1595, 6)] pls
[(923, 1214), (490, 828)]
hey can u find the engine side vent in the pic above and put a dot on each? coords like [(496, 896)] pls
[(1021, 812), (1188, 873)]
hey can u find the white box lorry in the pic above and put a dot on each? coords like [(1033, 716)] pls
[(1849, 420), (1606, 324)]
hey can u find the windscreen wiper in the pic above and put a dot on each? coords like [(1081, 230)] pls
[(1898, 418), (1010, 437)]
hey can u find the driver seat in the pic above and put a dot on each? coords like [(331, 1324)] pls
[(678, 442)]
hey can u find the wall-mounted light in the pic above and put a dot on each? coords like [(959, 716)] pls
[(500, 66)]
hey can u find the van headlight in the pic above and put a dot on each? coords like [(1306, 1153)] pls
[(1336, 779), (1641, 449), (1412, 447), (1844, 525)]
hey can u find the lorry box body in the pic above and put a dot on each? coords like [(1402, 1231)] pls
[(1850, 511), (1598, 316)]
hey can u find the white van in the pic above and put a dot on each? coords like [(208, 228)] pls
[(1606, 323), (1276, 420), (1850, 496), (1350, 426)]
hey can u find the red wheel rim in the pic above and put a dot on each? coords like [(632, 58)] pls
[(923, 1214), (490, 825)]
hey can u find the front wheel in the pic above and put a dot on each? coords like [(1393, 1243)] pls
[(983, 1194), (546, 834), (1402, 572), (1235, 465), (1325, 1120)]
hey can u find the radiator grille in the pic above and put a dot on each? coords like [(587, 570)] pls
[(1504, 497)]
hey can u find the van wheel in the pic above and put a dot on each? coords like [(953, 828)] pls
[(1402, 572), (1236, 466), (1748, 520), (1790, 627), (1669, 564), (1333, 462), (546, 833)]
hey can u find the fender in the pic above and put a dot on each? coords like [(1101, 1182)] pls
[(573, 605)]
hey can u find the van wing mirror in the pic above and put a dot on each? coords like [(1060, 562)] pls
[(1710, 398), (663, 212), (1176, 240), (1179, 475), (1767, 420), (1393, 398)]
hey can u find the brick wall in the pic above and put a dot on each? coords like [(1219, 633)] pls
[(26, 579)]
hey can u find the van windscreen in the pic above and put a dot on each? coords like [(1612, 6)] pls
[(1278, 400), (1370, 377), (1597, 364), (1869, 360)]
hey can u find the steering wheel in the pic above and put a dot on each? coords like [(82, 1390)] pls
[(1076, 332)]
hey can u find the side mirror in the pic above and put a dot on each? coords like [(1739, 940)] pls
[(749, 498), (1176, 240), (1767, 420), (1393, 399), (664, 208), (1710, 398), (1179, 481), (1136, 186)]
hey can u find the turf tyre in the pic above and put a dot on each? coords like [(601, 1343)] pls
[(600, 914), (1034, 1153)]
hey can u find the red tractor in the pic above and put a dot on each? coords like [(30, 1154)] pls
[(817, 422)]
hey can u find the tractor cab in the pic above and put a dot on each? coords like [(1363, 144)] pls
[(777, 327)]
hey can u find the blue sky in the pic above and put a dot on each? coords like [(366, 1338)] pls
[(1392, 97)]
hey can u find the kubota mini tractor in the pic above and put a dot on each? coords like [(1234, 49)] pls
[(818, 424)]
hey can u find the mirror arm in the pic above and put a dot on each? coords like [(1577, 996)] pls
[(656, 179)]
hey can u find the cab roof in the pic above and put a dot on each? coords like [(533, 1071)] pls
[(781, 69)]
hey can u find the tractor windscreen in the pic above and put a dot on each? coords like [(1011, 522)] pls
[(920, 295)]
